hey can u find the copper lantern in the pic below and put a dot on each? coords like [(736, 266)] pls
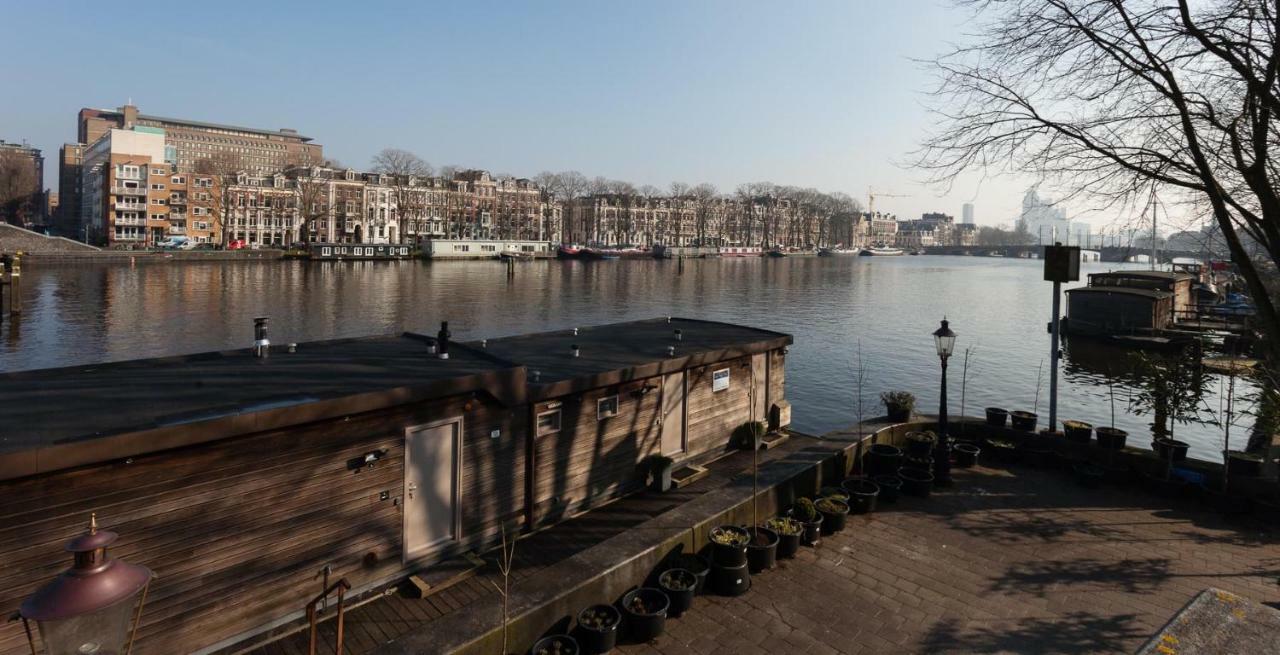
[(93, 607)]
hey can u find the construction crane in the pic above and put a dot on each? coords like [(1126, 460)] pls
[(872, 195)]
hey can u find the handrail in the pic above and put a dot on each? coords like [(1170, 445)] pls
[(342, 586)]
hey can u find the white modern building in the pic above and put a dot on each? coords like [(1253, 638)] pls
[(966, 214), (1045, 222)]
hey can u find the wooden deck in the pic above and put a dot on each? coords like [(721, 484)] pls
[(384, 618)]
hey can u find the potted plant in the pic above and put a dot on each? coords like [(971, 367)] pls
[(1244, 465), (890, 487), (729, 545), (920, 444), (807, 514), (966, 454), (917, 482), (834, 511), (1002, 450), (1077, 431), (838, 493), (750, 435), (762, 550), (882, 459), (645, 610), (555, 645), (598, 629), (1023, 421), (996, 416), (660, 473), (1172, 393), (679, 585), (862, 494), (898, 404), (696, 564), (1111, 438), (789, 532)]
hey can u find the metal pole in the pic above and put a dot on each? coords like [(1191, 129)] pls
[(942, 458), (1053, 357)]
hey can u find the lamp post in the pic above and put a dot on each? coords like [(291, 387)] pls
[(945, 342), (93, 607)]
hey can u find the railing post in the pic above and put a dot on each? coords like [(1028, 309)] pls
[(311, 619), (341, 617)]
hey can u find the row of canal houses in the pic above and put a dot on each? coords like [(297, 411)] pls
[(238, 477)]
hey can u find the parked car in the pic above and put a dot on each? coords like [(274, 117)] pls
[(236, 244), (173, 243), (204, 246)]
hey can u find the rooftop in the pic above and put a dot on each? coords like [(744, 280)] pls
[(1128, 291), (1150, 275)]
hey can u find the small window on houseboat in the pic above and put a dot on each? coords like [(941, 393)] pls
[(720, 380), (549, 422), (606, 407)]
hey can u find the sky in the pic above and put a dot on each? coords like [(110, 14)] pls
[(813, 94)]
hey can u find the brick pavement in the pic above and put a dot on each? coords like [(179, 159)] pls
[(1006, 561)]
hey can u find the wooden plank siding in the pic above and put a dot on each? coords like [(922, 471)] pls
[(238, 530), (712, 415)]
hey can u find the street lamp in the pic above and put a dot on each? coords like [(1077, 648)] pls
[(945, 342), (93, 607)]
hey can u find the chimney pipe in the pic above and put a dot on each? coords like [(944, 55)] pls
[(671, 351), (575, 350), (679, 335), (442, 340), (261, 345)]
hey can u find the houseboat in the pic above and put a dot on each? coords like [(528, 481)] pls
[(881, 251), (484, 249), (1129, 302), (672, 252), (741, 251), (357, 251), (837, 252), (568, 251), (246, 478)]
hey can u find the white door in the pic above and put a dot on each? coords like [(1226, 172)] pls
[(432, 465), (673, 414), (759, 388)]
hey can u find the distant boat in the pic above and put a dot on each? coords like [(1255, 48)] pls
[(777, 252), (881, 251), (630, 252), (837, 252), (740, 251), (568, 251)]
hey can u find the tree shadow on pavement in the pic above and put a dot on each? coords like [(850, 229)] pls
[(1128, 575), (1077, 632)]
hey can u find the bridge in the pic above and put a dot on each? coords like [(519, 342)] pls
[(1107, 254)]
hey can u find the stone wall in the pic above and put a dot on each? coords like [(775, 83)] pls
[(14, 239)]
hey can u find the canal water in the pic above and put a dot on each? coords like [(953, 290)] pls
[(882, 307)]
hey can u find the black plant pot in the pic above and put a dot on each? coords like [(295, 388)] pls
[(649, 624), (862, 495), (917, 482), (812, 531), (996, 416), (1167, 449), (919, 446), (965, 454), (567, 645), (679, 585), (890, 487), (898, 414), (1023, 421), (727, 555), (1002, 451), (1089, 475), (788, 545), (661, 478), (595, 640), (833, 521), (882, 459), (762, 552), (925, 463), (1111, 438), (1080, 433), (1243, 465), (730, 580), (698, 565)]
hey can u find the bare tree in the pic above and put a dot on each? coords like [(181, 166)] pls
[(1111, 100), (678, 189), (402, 170), (18, 186), (225, 168)]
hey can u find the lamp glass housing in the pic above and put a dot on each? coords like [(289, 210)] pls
[(104, 632), (944, 340)]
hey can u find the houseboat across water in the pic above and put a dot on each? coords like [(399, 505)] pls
[(357, 251), (242, 477), (741, 251), (881, 251)]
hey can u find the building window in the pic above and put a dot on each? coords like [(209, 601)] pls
[(549, 422), (157, 187), (606, 407)]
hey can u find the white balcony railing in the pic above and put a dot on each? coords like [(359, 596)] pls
[(130, 221), (128, 191), (130, 206)]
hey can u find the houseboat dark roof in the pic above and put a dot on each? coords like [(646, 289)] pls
[(57, 418), (611, 354), (1142, 275), (178, 400), (1128, 291)]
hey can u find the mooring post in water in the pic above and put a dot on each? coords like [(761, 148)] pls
[(511, 267), (11, 280), (1061, 264), (680, 265)]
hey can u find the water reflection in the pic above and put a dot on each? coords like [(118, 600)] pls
[(999, 307)]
